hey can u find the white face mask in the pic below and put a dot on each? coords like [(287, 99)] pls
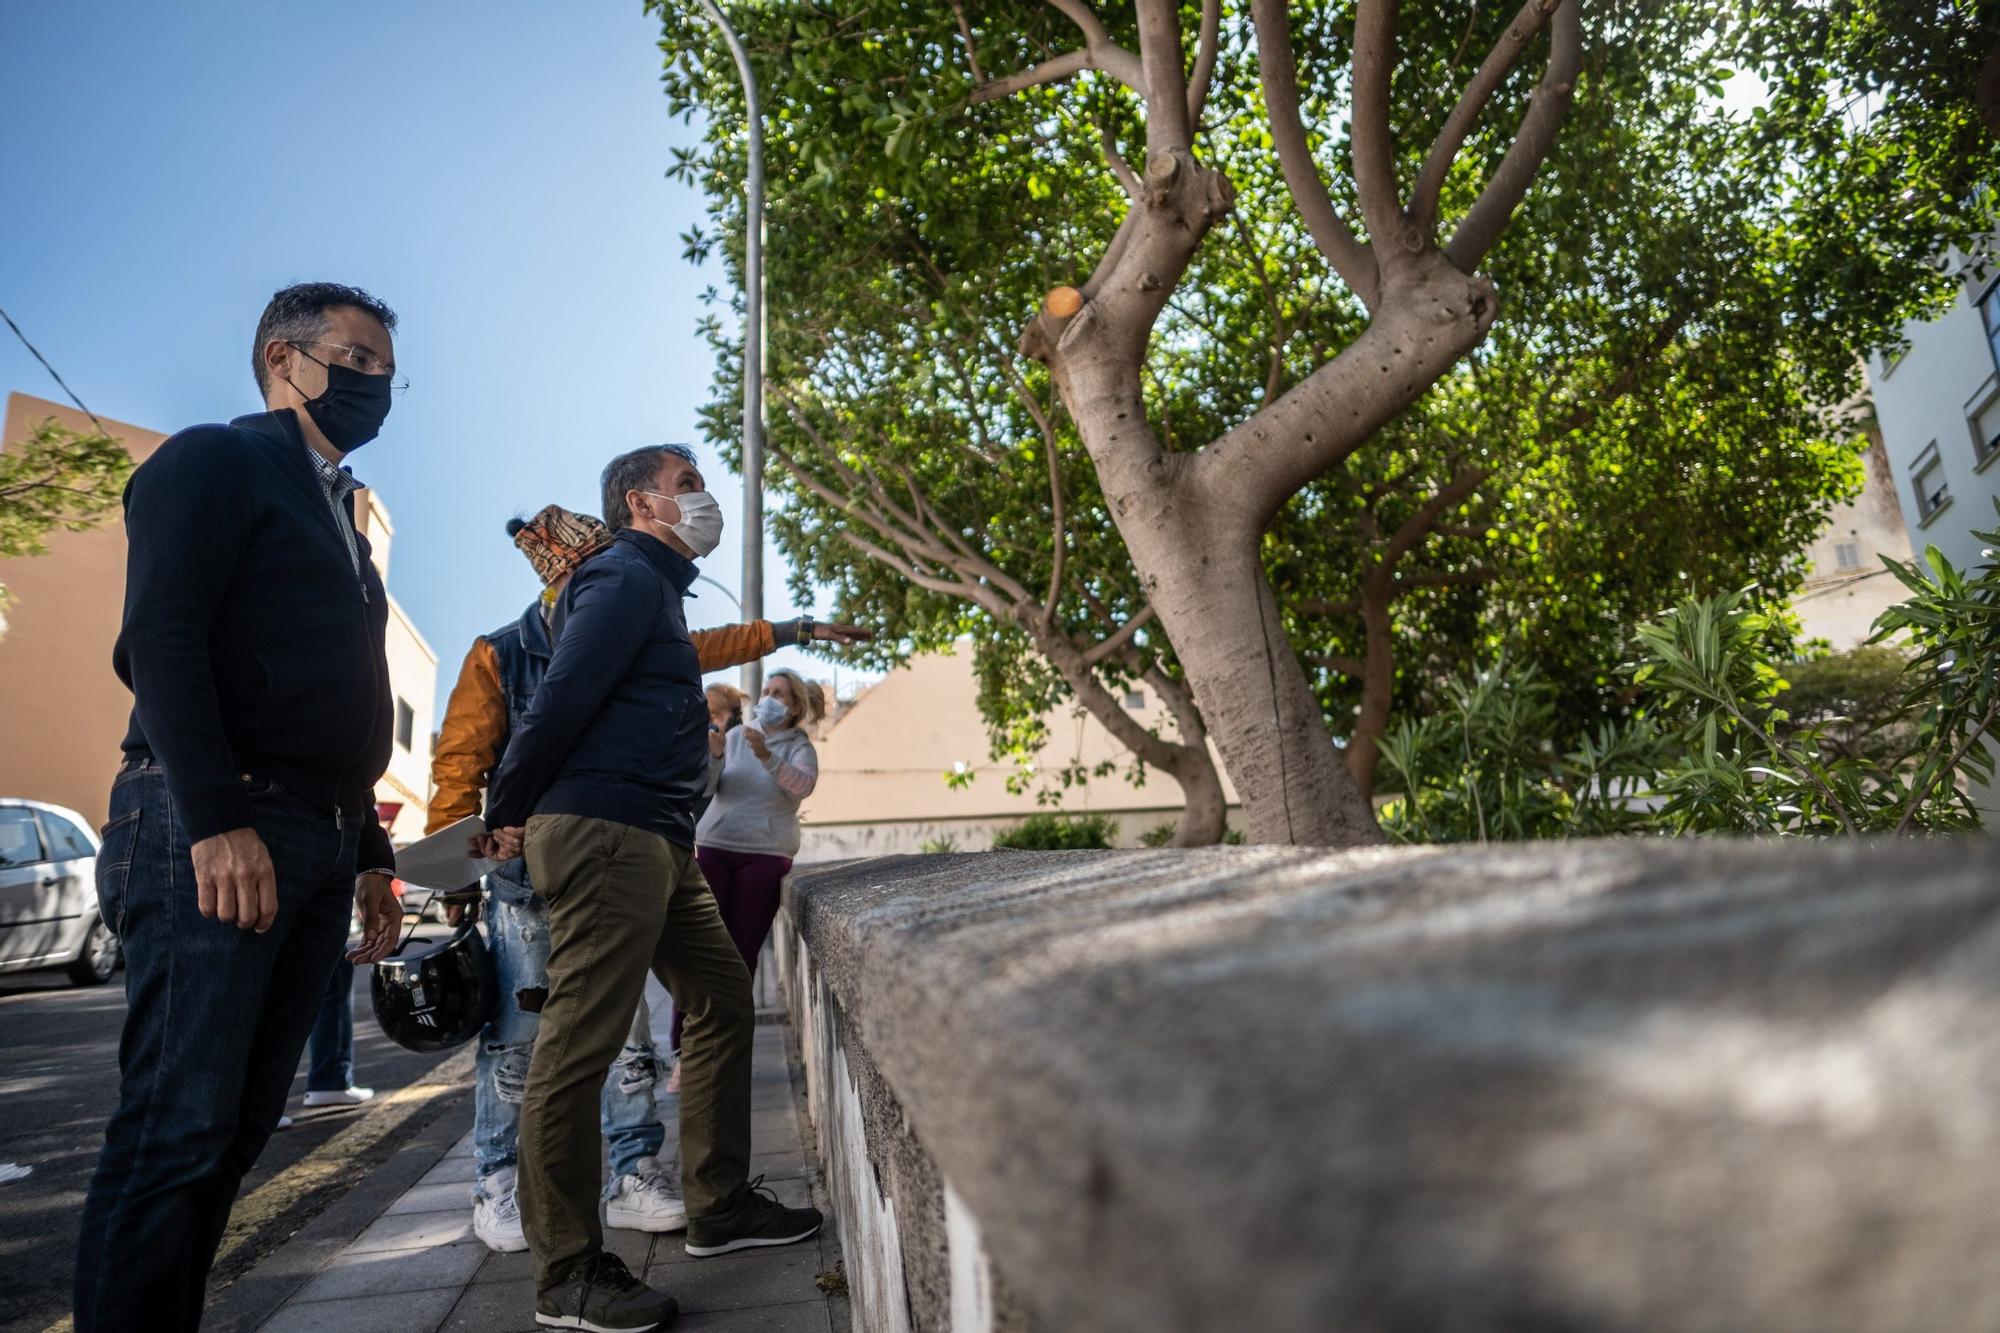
[(770, 713), (701, 520)]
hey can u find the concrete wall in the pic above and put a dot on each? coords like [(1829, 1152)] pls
[(1644, 1086)]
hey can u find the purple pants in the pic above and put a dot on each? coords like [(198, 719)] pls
[(745, 885)]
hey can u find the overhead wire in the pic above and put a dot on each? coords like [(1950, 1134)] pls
[(33, 351)]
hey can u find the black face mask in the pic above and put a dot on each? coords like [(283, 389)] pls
[(352, 409)]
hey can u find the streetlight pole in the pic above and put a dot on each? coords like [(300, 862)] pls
[(752, 606)]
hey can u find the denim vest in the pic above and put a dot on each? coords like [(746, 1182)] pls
[(522, 650)]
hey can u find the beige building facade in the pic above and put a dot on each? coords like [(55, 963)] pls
[(883, 766), (1848, 586), (63, 711)]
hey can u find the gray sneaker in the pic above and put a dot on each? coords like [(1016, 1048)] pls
[(602, 1296), (757, 1218)]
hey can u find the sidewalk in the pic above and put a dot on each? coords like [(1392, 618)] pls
[(417, 1268)]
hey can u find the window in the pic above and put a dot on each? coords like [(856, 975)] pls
[(20, 840), (1928, 483), (1985, 426), (406, 724), (66, 841), (1136, 701), (1847, 555), (1989, 315)]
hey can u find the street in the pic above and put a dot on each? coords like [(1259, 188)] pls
[(58, 1083)]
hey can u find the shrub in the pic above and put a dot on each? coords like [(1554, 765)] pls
[(940, 845), (1158, 836), (1048, 832)]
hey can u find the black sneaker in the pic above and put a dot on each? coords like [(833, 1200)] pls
[(602, 1296), (756, 1219)]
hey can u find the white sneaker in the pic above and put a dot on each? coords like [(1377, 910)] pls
[(646, 1202), (496, 1215), (350, 1096)]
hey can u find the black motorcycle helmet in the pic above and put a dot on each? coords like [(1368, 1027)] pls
[(438, 997)]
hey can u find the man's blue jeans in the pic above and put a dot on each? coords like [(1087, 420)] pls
[(517, 933), (330, 1052), (215, 1020)]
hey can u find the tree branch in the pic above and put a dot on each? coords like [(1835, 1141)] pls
[(1120, 168), (1346, 666), (1099, 53), (1117, 641), (971, 48), (1204, 61), (1452, 494), (1349, 258), (1314, 606), (1471, 105), (1168, 126), (1488, 217), (1374, 150)]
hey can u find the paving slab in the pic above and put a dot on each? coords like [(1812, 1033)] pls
[(494, 1307), (403, 1312), (777, 1276), (409, 1231), (379, 1272), (807, 1317)]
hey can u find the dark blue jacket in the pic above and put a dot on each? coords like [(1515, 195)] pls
[(618, 729), (249, 643), (521, 651)]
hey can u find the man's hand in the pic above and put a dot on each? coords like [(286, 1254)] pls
[(381, 914), (234, 881), (755, 740), (501, 844), (838, 633)]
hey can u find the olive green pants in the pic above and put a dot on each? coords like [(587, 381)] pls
[(622, 902)]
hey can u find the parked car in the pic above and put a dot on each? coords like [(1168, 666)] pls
[(48, 894)]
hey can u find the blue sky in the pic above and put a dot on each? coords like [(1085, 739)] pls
[(494, 171)]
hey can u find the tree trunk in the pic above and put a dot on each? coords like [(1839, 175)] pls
[(1218, 608), (1378, 682)]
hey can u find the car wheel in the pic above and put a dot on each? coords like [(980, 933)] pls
[(99, 959)]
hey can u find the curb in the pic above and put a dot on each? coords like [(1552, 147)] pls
[(365, 1168)]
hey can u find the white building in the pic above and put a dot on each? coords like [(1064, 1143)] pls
[(1938, 406), (1939, 409)]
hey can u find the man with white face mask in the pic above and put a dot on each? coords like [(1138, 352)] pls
[(597, 789)]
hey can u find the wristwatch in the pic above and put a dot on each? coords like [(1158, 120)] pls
[(805, 629)]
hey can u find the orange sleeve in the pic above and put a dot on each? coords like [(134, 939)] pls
[(468, 745), (733, 645)]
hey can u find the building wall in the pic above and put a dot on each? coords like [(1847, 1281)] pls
[(1848, 586), (1944, 393), (63, 711), (882, 768)]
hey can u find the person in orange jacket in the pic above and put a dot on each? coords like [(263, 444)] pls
[(495, 686)]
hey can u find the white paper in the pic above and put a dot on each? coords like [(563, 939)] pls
[(443, 861)]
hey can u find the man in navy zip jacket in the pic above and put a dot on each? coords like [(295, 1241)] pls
[(603, 775), (242, 827)]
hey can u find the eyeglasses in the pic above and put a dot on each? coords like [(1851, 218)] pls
[(358, 359)]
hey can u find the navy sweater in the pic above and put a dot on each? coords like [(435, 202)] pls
[(249, 644), (619, 728)]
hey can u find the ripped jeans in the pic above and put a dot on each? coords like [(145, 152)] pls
[(517, 934)]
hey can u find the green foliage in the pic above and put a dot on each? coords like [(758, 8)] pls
[(1160, 835), (57, 479), (1719, 741), (1047, 831), (940, 846)]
